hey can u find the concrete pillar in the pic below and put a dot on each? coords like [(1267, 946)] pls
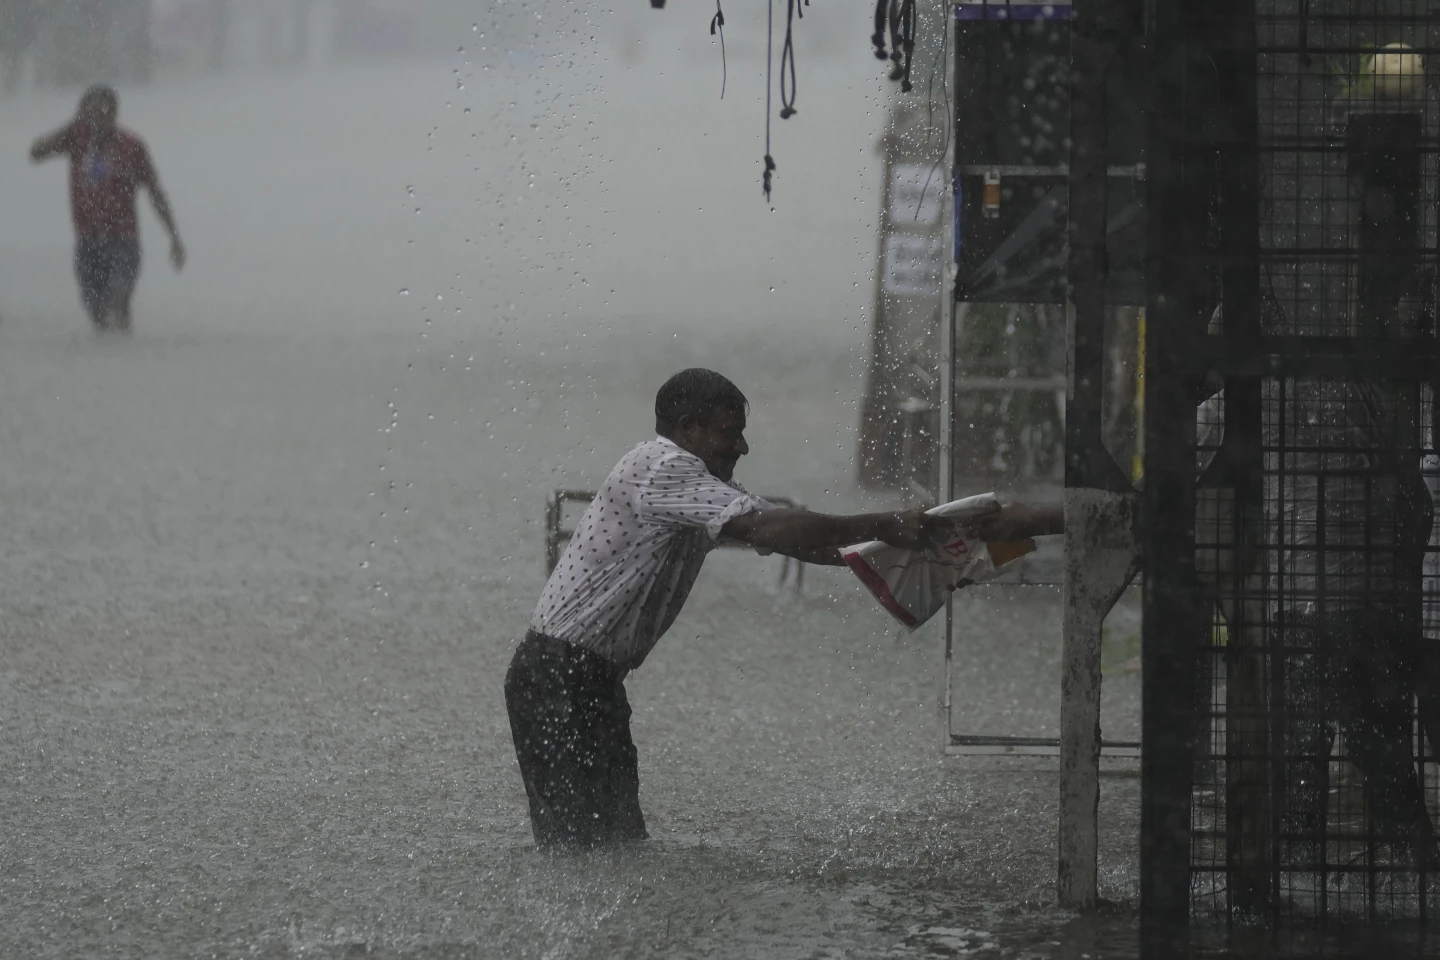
[(1101, 558)]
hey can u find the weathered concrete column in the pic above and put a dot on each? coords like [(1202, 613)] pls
[(1101, 558)]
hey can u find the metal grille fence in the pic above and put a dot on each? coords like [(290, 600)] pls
[(1299, 314)]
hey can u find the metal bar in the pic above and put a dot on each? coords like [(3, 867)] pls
[(1010, 383), (1058, 171), (1342, 49), (1249, 814), (1350, 19), (1004, 750), (1313, 356), (1099, 499), (921, 492), (1109, 753), (876, 452), (1416, 254), (953, 315), (978, 745), (1174, 302), (1334, 366), (1295, 145), (1390, 349)]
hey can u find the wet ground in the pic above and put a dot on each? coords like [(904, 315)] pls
[(265, 561), (224, 732)]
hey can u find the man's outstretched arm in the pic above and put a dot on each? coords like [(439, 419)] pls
[(822, 556), (1016, 521), (161, 201), (51, 145), (1013, 521), (816, 537)]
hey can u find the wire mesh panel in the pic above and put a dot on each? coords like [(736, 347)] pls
[(1006, 411), (1310, 155)]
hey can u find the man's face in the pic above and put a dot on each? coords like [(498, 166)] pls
[(719, 441), (98, 114)]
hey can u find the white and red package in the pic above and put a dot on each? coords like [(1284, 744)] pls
[(913, 584)]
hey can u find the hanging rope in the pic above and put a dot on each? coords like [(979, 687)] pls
[(896, 70), (769, 59), (907, 41), (882, 9), (787, 61), (717, 22), (898, 18)]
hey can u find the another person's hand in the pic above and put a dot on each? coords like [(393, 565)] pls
[(1016, 521), (918, 530), (177, 254)]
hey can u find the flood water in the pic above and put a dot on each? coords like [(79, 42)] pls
[(266, 560)]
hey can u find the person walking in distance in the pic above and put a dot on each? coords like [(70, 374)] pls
[(108, 166), (620, 584)]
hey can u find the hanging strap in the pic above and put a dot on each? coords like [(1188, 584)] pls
[(717, 23)]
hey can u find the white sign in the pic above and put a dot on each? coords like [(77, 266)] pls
[(912, 265), (916, 190)]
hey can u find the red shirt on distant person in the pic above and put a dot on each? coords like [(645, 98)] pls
[(104, 179), (108, 166)]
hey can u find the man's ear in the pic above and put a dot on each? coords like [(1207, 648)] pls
[(683, 424)]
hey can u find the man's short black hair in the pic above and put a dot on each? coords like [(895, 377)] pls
[(101, 93), (698, 393)]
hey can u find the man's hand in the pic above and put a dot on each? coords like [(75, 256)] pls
[(1016, 521), (52, 145), (161, 202), (918, 530)]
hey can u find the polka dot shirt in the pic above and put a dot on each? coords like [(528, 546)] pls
[(636, 552)]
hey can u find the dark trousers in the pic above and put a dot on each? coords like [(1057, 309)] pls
[(1354, 672), (571, 724), (107, 268)]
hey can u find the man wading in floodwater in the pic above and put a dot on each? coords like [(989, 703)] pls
[(108, 166), (620, 584)]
